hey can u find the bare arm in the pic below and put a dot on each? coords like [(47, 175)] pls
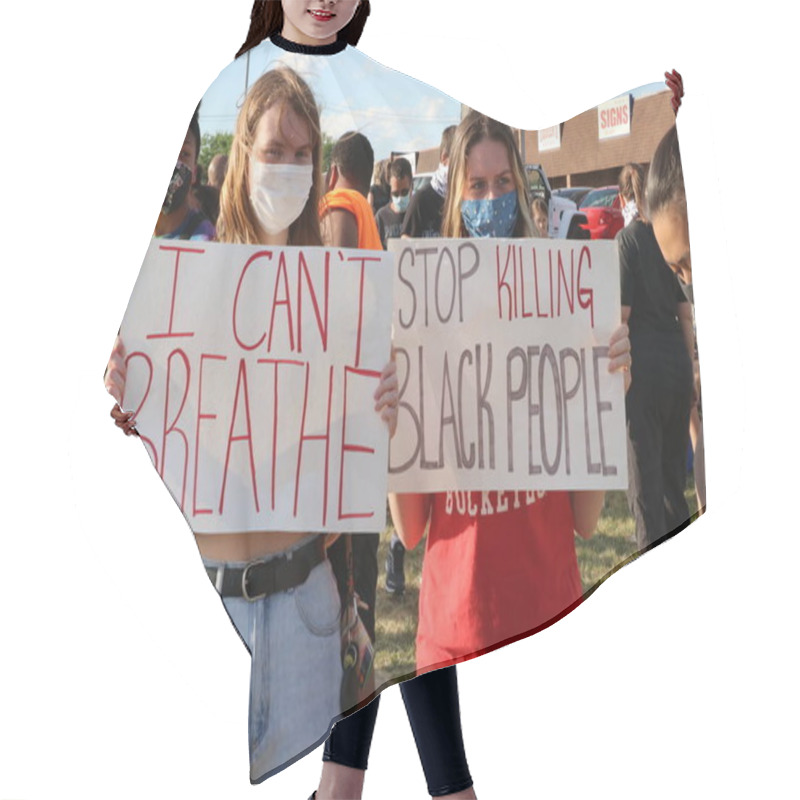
[(339, 229), (410, 514), (586, 510)]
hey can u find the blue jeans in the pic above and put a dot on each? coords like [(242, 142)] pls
[(296, 670)]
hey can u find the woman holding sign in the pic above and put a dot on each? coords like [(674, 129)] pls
[(498, 565), (278, 587)]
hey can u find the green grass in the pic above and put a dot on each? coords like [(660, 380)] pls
[(396, 618)]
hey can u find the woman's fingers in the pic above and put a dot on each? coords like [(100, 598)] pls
[(124, 421), (387, 396), (675, 85), (619, 350)]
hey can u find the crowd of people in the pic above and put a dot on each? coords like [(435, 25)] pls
[(487, 579)]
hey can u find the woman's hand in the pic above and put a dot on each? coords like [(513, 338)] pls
[(386, 396), (116, 373), (675, 84), (619, 354)]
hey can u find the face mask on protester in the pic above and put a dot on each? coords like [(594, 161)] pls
[(401, 202), (279, 192), (490, 217), (629, 212), (178, 189)]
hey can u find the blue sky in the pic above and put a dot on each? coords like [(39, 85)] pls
[(396, 112)]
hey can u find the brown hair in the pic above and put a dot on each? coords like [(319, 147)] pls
[(665, 187), (237, 222), (631, 186), (447, 142), (266, 19), (475, 128)]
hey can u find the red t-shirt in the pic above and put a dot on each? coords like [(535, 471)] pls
[(497, 565)]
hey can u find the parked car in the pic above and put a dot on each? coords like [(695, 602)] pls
[(565, 221), (574, 193), (603, 212)]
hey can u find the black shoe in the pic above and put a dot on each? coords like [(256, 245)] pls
[(395, 576)]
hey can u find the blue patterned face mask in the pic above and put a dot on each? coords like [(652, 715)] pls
[(494, 218)]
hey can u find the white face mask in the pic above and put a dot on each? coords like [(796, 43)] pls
[(278, 193)]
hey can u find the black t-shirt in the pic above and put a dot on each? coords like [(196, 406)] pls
[(390, 223), (649, 286), (424, 215), (380, 197)]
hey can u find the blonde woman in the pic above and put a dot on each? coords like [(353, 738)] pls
[(270, 196), (498, 565)]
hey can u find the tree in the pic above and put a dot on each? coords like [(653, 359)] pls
[(212, 144), (327, 149)]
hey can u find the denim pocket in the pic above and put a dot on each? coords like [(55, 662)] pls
[(318, 602)]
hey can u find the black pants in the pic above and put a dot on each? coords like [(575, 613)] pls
[(658, 406), (433, 711)]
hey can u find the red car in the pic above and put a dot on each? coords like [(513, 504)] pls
[(603, 212)]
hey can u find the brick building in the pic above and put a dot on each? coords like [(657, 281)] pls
[(576, 153)]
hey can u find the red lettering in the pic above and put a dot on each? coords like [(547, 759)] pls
[(536, 287), (276, 394), (569, 290), (363, 260), (147, 442), (502, 284), (201, 416), (525, 313), (322, 326), (260, 254), (585, 296), (349, 447), (173, 426), (241, 386), (326, 437), (170, 334), (284, 301)]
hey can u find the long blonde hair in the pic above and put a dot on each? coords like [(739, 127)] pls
[(237, 222), (475, 128)]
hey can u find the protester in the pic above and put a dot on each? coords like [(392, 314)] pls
[(177, 218), (292, 628), (379, 193), (666, 207), (539, 213), (423, 219), (424, 215), (660, 401), (216, 171), (346, 217), (390, 218), (497, 565)]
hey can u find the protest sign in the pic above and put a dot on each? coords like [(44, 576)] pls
[(502, 361), (251, 370)]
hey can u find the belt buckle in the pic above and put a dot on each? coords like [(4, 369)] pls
[(245, 594)]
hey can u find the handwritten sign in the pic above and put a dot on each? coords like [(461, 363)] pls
[(252, 370), (502, 358)]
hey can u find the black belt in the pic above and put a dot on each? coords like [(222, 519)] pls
[(269, 576)]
